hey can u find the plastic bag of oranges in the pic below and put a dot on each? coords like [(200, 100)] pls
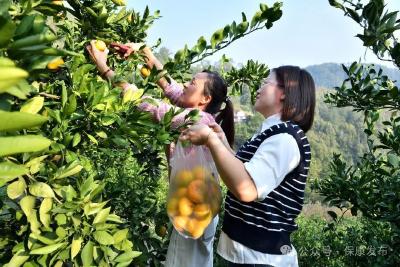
[(194, 196)]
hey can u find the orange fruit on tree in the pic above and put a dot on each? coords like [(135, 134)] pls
[(100, 45), (161, 230), (185, 206), (145, 71), (58, 2), (196, 191), (55, 63)]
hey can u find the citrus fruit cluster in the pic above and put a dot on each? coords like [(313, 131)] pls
[(195, 198)]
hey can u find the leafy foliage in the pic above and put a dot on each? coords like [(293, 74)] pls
[(71, 147), (372, 186)]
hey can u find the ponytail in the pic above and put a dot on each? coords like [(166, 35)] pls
[(216, 87), (226, 120)]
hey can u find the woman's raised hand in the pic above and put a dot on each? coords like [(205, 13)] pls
[(132, 48), (98, 57)]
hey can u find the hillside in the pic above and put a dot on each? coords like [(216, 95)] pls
[(329, 75)]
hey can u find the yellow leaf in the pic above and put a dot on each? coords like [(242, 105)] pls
[(33, 105)]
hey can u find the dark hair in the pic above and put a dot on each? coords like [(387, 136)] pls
[(216, 87), (299, 90)]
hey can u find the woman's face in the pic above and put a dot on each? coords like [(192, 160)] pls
[(269, 97), (193, 92)]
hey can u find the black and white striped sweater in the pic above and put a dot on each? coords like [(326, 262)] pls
[(266, 225)]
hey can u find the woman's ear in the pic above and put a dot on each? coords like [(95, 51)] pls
[(205, 100)]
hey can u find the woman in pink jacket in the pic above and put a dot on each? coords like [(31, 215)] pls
[(206, 92)]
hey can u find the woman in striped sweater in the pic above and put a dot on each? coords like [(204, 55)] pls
[(266, 178)]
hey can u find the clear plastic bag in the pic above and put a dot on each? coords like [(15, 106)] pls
[(194, 196)]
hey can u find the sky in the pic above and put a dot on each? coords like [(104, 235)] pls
[(310, 31)]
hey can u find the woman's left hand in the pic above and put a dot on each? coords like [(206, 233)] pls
[(197, 134)]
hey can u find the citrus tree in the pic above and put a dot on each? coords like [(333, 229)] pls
[(373, 185), (79, 163)]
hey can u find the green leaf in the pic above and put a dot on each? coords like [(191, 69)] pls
[(61, 219), (93, 208), (44, 209), (180, 55), (14, 121), (114, 218), (9, 171), (120, 235), (33, 105), (35, 163), (16, 189), (102, 216), (6, 62), (47, 249), (64, 95), (7, 29), (103, 238), (18, 259), (70, 170), (92, 139), (20, 144), (132, 95), (68, 192), (128, 256), (76, 246), (70, 106), (217, 37), (101, 134), (201, 44), (76, 139), (256, 19), (27, 204), (87, 254), (242, 27), (40, 189), (244, 19)]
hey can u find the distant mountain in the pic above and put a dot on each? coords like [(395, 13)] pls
[(329, 75)]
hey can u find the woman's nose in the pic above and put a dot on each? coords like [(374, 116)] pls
[(186, 84)]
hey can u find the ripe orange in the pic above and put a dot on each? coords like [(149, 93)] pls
[(201, 211), (185, 206), (203, 223), (172, 206), (55, 63), (100, 45), (194, 229), (145, 72), (180, 222), (183, 178), (200, 173), (180, 192), (196, 191), (161, 230)]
